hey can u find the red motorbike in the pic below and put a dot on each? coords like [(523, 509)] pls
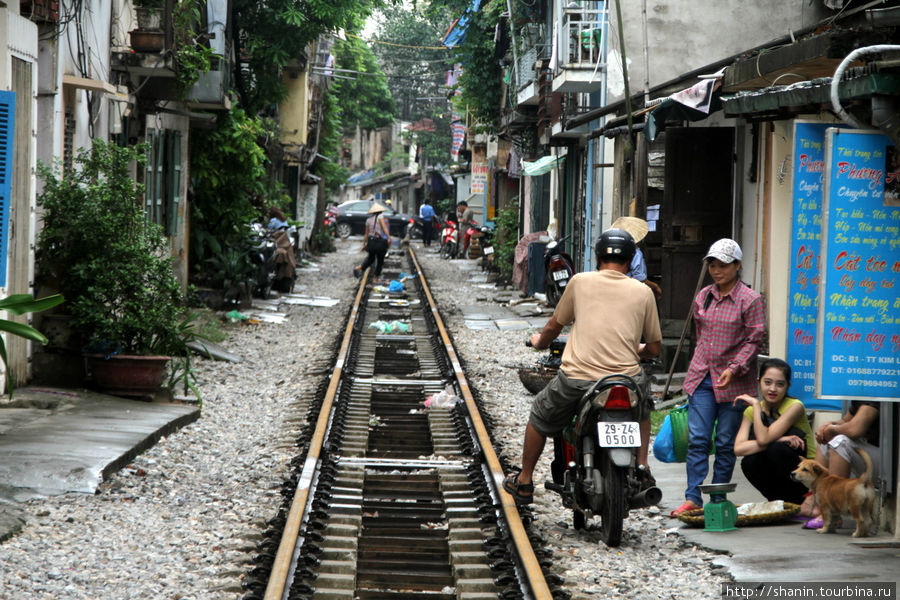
[(449, 239), (330, 220)]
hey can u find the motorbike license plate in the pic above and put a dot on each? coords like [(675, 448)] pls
[(489, 250), (560, 275), (626, 434)]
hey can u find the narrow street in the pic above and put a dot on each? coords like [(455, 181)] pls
[(183, 521)]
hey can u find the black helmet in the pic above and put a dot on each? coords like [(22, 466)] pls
[(616, 244)]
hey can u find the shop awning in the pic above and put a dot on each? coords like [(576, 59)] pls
[(807, 96), (457, 32), (542, 165)]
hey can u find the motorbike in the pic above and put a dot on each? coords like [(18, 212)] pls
[(330, 220), (262, 255), (558, 270), (415, 228), (272, 253), (487, 247), (449, 239), (594, 467)]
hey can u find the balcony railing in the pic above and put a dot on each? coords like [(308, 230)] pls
[(527, 71), (581, 38)]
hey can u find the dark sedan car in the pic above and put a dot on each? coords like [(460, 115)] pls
[(352, 215)]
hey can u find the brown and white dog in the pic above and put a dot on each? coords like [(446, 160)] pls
[(838, 496)]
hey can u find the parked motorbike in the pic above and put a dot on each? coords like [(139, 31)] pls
[(330, 220), (262, 255), (272, 252), (449, 239), (487, 247), (415, 228), (594, 467), (558, 270)]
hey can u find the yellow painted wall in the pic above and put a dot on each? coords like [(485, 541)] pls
[(294, 111)]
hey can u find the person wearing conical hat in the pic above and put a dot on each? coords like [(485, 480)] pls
[(638, 229), (376, 241)]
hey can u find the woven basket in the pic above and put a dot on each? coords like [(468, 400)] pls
[(694, 518), (536, 378)]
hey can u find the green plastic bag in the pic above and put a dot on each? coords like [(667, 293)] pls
[(678, 417)]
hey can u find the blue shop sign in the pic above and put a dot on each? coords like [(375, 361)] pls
[(858, 350)]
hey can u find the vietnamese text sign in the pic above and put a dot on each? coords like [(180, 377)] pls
[(859, 305), (803, 290)]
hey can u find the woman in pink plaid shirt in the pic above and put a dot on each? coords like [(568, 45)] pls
[(730, 319)]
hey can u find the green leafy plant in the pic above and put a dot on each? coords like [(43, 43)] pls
[(19, 304), (507, 238), (98, 248), (187, 335), (192, 53)]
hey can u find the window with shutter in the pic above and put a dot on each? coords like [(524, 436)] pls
[(7, 115)]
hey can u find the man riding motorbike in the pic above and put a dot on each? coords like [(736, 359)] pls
[(610, 314)]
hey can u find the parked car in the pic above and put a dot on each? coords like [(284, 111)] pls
[(352, 215)]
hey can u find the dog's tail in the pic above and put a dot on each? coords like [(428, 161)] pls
[(866, 477)]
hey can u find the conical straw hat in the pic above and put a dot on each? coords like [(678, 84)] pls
[(376, 208), (635, 226)]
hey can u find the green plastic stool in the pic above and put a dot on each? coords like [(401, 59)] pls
[(719, 514)]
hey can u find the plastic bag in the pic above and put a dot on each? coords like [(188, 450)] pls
[(390, 327), (395, 286), (664, 445), (443, 399)]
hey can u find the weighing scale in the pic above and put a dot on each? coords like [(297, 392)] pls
[(719, 514)]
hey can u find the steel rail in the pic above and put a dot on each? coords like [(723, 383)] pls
[(530, 564), (283, 558)]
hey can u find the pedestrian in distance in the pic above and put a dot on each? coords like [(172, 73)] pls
[(376, 241), (730, 321), (610, 314), (426, 213), (465, 218), (774, 435)]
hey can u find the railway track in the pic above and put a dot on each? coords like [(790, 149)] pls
[(390, 499)]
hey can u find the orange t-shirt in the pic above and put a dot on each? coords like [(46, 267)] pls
[(612, 313)]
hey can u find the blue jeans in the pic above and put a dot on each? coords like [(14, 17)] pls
[(703, 411)]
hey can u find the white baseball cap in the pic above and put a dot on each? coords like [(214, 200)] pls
[(725, 250)]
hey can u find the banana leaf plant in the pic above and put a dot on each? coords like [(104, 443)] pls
[(19, 304)]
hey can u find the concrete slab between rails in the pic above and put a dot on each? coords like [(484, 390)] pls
[(55, 441), (783, 552)]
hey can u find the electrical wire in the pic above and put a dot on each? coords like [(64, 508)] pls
[(396, 45)]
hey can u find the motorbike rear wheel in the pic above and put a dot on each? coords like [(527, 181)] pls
[(612, 510), (448, 250), (553, 294), (415, 232)]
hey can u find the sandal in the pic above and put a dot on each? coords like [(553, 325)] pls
[(522, 493), (689, 505), (819, 523), (357, 271)]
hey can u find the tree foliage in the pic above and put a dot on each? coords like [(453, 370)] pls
[(414, 59), (224, 196), (272, 34), (365, 100), (480, 93)]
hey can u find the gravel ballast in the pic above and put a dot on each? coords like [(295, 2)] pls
[(182, 521)]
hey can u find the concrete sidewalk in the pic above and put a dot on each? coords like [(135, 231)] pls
[(54, 441), (782, 552)]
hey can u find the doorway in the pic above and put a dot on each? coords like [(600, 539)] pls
[(697, 208)]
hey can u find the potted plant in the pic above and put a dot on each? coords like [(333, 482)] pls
[(19, 304), (149, 35), (112, 265)]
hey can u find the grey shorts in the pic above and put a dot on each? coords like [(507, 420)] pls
[(846, 447), (554, 407)]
